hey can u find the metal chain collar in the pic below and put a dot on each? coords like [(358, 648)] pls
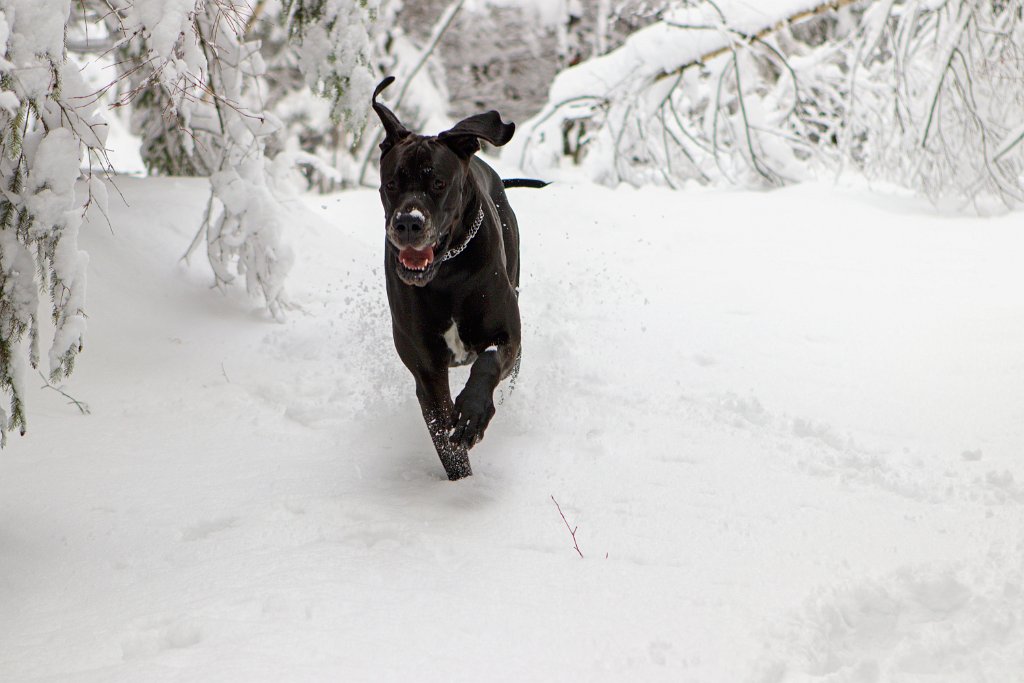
[(455, 251)]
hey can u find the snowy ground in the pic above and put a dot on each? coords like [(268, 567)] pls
[(788, 426)]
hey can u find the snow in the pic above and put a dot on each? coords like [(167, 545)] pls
[(787, 427), (165, 21), (9, 101), (54, 167), (37, 29), (32, 33)]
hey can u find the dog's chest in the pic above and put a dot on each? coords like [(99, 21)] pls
[(461, 355)]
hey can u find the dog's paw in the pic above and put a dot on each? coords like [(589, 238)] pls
[(473, 412)]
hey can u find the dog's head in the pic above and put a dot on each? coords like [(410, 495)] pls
[(424, 186)]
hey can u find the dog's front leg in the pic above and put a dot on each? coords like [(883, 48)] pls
[(474, 407), (436, 403)]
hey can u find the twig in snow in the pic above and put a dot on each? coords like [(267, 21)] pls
[(82, 406), (572, 529)]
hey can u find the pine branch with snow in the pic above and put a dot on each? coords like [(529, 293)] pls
[(337, 53), (194, 80), (46, 121)]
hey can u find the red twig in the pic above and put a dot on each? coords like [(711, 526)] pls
[(572, 529)]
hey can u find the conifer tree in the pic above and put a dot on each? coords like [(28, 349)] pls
[(46, 121), (194, 80)]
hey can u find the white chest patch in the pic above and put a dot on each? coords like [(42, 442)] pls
[(460, 354)]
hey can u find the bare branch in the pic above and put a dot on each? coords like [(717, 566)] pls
[(572, 529)]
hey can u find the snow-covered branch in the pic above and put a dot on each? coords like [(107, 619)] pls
[(46, 122), (922, 93)]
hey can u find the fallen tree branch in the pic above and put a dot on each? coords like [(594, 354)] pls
[(759, 36)]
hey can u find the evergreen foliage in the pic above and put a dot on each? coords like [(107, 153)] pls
[(194, 82), (45, 123), (337, 53)]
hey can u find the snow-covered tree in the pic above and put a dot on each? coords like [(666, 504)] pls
[(193, 76), (47, 120), (923, 93), (336, 51), (192, 58), (936, 97)]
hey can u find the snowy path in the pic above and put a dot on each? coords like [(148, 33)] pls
[(789, 427)]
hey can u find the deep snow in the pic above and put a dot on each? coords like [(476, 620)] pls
[(788, 426)]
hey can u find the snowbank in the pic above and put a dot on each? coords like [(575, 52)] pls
[(788, 427)]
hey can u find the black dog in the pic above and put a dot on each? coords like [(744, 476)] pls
[(451, 261)]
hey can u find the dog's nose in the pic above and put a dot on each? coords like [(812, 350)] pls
[(409, 225)]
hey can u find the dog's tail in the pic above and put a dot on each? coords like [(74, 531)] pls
[(523, 182)]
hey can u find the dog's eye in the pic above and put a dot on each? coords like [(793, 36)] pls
[(391, 186), (438, 184)]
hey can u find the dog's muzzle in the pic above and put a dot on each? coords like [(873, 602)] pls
[(415, 238)]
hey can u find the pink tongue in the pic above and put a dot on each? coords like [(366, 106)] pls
[(416, 259)]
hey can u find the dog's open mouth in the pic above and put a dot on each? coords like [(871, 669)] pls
[(416, 259)]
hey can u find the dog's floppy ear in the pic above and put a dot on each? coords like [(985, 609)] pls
[(393, 128), (465, 136)]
